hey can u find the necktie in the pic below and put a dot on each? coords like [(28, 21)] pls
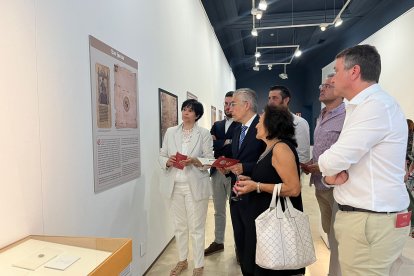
[(242, 135)]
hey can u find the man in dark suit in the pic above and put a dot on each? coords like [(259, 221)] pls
[(222, 133), (247, 149)]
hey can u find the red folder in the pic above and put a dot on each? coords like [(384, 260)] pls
[(224, 162), (178, 158), (403, 220)]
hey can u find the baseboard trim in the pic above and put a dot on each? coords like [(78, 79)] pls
[(149, 268)]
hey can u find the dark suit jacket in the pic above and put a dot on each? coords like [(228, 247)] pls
[(250, 150), (219, 131), (240, 211)]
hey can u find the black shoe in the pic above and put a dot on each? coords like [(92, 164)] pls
[(214, 248)]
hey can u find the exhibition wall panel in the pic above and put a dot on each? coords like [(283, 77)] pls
[(176, 50)]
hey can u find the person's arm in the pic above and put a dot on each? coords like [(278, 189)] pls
[(207, 150), (303, 139), (217, 143), (283, 160), (367, 125)]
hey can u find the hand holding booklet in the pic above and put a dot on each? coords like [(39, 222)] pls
[(178, 158), (221, 162)]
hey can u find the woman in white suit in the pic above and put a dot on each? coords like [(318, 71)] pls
[(189, 189)]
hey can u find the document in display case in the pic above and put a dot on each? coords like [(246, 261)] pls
[(55, 256)]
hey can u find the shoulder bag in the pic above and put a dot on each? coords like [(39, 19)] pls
[(284, 239)]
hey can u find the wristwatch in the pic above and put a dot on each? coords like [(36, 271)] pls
[(258, 188)]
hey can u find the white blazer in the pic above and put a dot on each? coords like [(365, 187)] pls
[(201, 145)]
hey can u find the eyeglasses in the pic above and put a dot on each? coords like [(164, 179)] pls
[(226, 104), (232, 104), (325, 85)]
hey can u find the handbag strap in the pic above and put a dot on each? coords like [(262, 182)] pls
[(292, 211), (275, 195), (289, 209)]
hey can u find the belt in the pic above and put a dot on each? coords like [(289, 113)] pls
[(348, 208)]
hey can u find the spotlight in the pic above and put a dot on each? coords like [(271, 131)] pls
[(298, 53), (269, 67), (338, 22), (256, 68), (323, 26), (283, 76), (257, 13), (257, 54), (262, 5), (254, 32), (257, 63)]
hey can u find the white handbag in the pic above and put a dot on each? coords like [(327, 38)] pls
[(284, 239)]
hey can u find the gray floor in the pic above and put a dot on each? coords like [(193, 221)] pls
[(224, 263)]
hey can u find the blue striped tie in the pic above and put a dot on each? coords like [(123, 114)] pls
[(242, 135)]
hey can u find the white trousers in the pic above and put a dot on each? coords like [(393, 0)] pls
[(189, 218)]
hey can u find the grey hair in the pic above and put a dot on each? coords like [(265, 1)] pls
[(248, 95)]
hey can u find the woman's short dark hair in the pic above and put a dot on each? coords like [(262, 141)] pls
[(278, 122), (195, 106)]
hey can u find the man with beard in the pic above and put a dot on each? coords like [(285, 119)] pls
[(222, 133)]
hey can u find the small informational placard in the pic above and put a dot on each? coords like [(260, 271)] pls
[(62, 262), (36, 259), (115, 116)]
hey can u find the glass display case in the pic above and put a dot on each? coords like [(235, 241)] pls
[(56, 255)]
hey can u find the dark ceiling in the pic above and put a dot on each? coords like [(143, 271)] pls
[(233, 22)]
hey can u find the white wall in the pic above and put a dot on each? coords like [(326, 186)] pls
[(395, 42), (46, 143), (20, 168)]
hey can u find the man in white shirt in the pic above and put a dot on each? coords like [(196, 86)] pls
[(366, 165), (280, 95)]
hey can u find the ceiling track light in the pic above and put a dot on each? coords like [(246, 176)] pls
[(338, 22), (256, 68), (323, 26), (298, 53), (269, 67), (257, 54), (258, 13), (257, 63), (254, 32), (262, 5), (283, 75)]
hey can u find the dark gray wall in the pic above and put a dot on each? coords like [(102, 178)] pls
[(261, 82), (305, 74)]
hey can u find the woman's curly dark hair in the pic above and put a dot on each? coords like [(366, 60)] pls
[(278, 122)]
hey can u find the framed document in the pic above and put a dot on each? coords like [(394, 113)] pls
[(168, 107)]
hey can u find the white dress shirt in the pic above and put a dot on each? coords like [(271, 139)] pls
[(227, 124), (249, 122), (372, 148), (302, 138)]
